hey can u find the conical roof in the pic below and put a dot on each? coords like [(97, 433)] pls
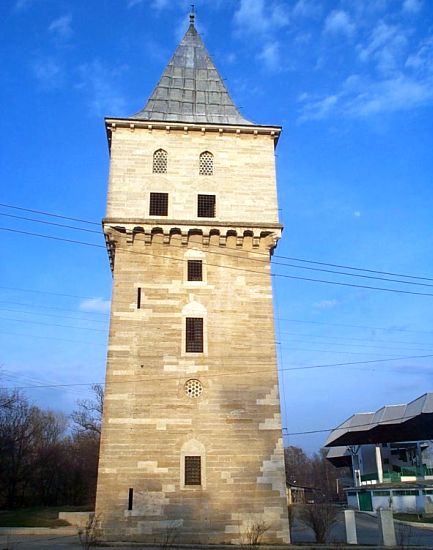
[(191, 89)]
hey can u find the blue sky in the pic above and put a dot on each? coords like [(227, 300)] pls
[(352, 84)]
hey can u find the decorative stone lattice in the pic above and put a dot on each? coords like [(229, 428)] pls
[(206, 164), (193, 388), (160, 162)]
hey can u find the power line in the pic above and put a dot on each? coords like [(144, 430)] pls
[(87, 342), (341, 427), (217, 375), (39, 306), (48, 214), (52, 324), (354, 338), (53, 316), (257, 260), (14, 289), (352, 285), (325, 366), (356, 268), (51, 223), (355, 326), (291, 258)]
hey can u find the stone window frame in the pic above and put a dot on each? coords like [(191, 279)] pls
[(206, 164), (194, 310), (167, 198), (216, 202), (195, 254), (160, 161), (193, 447), (194, 332)]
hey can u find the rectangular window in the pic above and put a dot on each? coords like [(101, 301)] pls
[(130, 498), (194, 334), (138, 298), (206, 206), (193, 470), (381, 493), (195, 270), (158, 204)]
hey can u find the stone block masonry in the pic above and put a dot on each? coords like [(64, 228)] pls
[(191, 440)]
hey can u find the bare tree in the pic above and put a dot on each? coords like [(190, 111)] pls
[(88, 416), (254, 533), (320, 517)]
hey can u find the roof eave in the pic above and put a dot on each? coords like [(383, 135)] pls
[(111, 123)]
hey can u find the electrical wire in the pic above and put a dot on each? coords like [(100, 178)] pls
[(291, 258), (285, 276)]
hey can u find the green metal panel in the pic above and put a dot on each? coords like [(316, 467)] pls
[(365, 501)]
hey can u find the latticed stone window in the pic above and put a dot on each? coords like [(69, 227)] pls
[(206, 164), (193, 470), (158, 204), (195, 270), (160, 162), (194, 335), (193, 388), (206, 206)]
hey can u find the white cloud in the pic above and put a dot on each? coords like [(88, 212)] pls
[(422, 60), (412, 6), (339, 22), (306, 8), (98, 305), (316, 109), (24, 4), (258, 17), (385, 46), (48, 73), (270, 55), (61, 26), (363, 97), (99, 83), (395, 94), (157, 5), (326, 304)]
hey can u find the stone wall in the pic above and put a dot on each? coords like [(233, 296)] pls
[(150, 422)]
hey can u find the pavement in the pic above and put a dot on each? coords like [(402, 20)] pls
[(65, 538)]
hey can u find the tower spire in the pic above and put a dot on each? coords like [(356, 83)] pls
[(192, 15)]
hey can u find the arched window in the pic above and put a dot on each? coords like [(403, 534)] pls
[(206, 164), (160, 161)]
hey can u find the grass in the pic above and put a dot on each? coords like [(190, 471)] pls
[(36, 517), (416, 518)]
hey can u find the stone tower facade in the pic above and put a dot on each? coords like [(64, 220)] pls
[(191, 440)]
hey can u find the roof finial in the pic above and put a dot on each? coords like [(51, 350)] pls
[(192, 15)]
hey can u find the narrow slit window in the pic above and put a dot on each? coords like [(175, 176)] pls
[(130, 498), (159, 162), (138, 298), (193, 470), (206, 164), (195, 270), (194, 335), (158, 205), (206, 206)]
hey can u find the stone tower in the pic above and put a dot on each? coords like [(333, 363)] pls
[(191, 440)]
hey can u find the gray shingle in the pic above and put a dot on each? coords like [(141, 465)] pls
[(193, 82)]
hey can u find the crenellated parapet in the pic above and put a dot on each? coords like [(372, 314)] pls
[(260, 237)]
